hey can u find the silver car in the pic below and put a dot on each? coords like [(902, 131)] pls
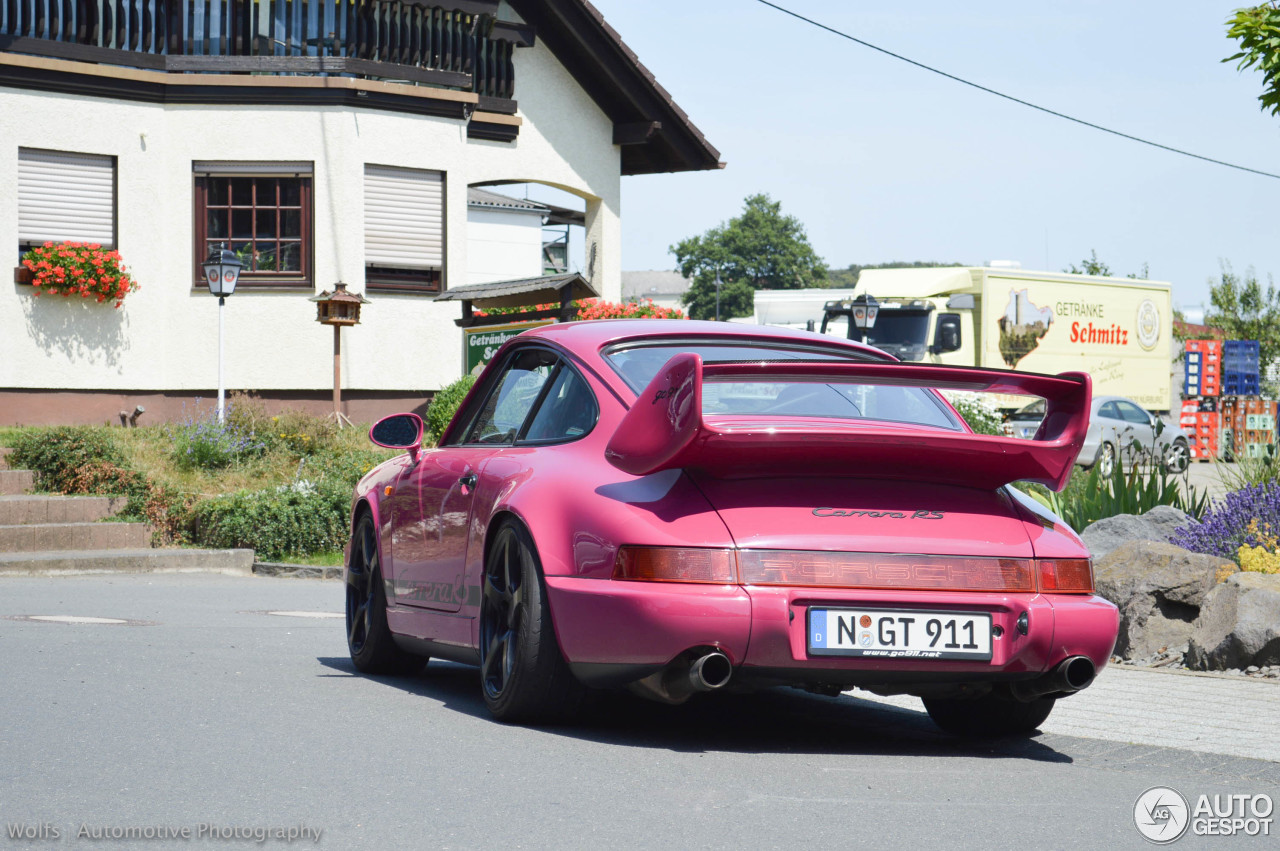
[(1114, 424)]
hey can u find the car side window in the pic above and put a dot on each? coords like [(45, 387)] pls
[(513, 396), (568, 411), (1109, 411), (1131, 413)]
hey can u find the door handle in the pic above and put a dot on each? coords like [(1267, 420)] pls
[(468, 481)]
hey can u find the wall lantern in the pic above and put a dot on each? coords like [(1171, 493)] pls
[(865, 307), (338, 308), (221, 274)]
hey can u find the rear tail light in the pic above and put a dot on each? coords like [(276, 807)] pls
[(803, 568), (1066, 576), (878, 570), (676, 564)]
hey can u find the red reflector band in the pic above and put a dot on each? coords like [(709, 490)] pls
[(674, 564), (1066, 576), (876, 570)]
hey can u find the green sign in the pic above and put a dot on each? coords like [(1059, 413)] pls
[(479, 345)]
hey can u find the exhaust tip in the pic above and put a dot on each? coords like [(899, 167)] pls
[(1078, 672), (710, 672)]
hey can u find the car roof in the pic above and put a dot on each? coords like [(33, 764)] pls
[(593, 335)]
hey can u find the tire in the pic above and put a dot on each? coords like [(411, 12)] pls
[(1177, 457), (990, 716), (369, 640), (1106, 460), (523, 675)]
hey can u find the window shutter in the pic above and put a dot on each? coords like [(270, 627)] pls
[(65, 197), (403, 218)]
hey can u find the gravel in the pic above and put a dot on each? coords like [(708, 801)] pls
[(1173, 657)]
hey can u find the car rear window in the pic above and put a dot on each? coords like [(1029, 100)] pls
[(638, 364)]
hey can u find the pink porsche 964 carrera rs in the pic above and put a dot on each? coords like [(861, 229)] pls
[(678, 507)]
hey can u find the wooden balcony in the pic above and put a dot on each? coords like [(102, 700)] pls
[(457, 45)]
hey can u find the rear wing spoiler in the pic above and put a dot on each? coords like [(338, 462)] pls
[(666, 429)]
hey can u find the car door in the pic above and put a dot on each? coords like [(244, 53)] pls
[(433, 500)]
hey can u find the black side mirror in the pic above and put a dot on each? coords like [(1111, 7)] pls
[(398, 431), (946, 337)]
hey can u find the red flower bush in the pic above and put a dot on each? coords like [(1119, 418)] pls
[(594, 308), (77, 268)]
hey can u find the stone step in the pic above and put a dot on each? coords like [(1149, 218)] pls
[(35, 537), (42, 509), (84, 562), (16, 481)]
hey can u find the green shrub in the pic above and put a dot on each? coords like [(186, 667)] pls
[(343, 468), (290, 520), (301, 433), (978, 410), (59, 455), (1088, 497), (445, 404), (200, 442)]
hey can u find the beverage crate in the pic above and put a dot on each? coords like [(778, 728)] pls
[(1211, 349), (1256, 450), (1241, 355), (1204, 385), (1260, 422), (1240, 384)]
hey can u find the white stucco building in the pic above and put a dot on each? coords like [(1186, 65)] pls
[(324, 142)]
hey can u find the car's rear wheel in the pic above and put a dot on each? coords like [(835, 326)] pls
[(993, 715), (1177, 457), (373, 650), (523, 674), (1106, 460)]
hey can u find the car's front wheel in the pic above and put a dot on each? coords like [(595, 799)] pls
[(1177, 457), (373, 650), (523, 674), (985, 717)]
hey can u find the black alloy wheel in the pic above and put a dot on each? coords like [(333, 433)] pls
[(369, 640), (523, 674)]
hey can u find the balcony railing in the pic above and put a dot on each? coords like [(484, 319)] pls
[(405, 40)]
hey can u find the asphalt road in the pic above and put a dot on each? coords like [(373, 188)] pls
[(214, 713)]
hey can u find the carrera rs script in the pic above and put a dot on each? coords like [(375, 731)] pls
[(921, 514)]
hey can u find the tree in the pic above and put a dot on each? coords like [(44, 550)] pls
[(737, 298), (1245, 311), (1257, 29), (761, 249), (1091, 265), (848, 277)]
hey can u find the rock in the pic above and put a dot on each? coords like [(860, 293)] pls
[(1111, 532), (1239, 624), (1160, 590)]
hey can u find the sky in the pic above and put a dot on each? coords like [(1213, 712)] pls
[(883, 161)]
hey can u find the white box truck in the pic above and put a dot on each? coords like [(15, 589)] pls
[(1119, 330)]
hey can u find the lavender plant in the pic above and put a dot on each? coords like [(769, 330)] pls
[(1234, 522), (201, 442)]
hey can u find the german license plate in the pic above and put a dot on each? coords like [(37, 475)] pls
[(899, 634)]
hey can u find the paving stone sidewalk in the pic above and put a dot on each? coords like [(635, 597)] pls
[(1210, 713)]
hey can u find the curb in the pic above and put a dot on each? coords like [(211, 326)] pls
[(97, 562), (284, 570)]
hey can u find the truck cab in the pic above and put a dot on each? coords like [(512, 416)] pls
[(915, 329)]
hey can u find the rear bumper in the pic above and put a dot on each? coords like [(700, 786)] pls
[(612, 632)]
